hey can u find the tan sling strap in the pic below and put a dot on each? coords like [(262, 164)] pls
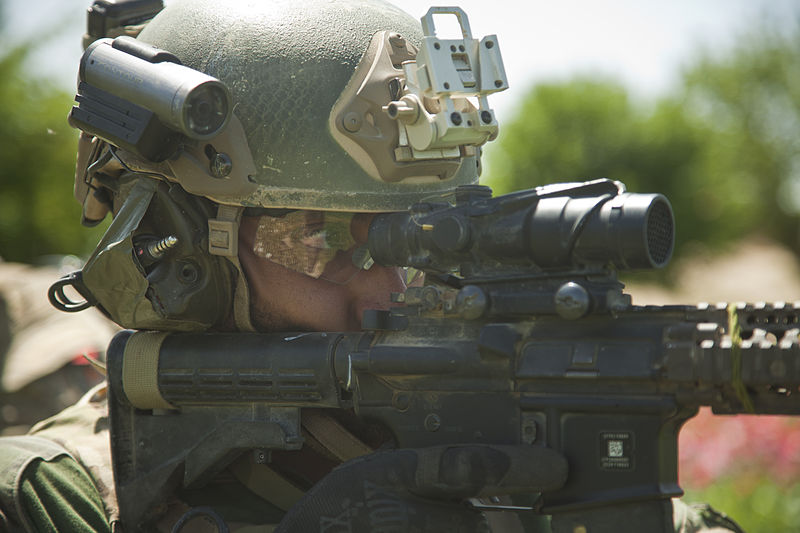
[(266, 483), (333, 436), (274, 488)]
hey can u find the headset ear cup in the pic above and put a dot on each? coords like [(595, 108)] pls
[(187, 285), (153, 268)]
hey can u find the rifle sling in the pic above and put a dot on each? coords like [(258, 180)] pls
[(273, 487), (333, 436), (266, 483)]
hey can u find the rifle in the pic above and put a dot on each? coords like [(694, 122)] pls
[(521, 335)]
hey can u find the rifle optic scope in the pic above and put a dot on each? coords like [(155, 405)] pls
[(556, 227)]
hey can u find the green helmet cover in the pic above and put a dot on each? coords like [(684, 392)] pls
[(286, 64), (190, 291)]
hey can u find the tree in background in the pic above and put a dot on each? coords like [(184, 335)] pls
[(749, 102), (723, 149), (37, 148)]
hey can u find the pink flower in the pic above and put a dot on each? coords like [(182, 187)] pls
[(748, 446)]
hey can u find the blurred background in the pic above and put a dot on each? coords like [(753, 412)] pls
[(696, 99)]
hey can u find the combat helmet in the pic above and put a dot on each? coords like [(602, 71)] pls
[(223, 106)]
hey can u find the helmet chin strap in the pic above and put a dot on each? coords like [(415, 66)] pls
[(223, 239)]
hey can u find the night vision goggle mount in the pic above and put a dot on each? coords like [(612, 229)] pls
[(433, 115), (412, 113)]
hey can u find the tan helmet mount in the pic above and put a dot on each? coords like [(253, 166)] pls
[(434, 116), (408, 115)]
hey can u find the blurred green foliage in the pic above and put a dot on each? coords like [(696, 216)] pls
[(723, 148), (749, 104), (763, 507), (588, 129), (38, 215)]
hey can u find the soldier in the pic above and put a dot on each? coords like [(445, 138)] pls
[(256, 220)]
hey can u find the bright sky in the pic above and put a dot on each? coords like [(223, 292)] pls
[(644, 43), (641, 42)]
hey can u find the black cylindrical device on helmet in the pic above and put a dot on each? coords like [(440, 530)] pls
[(189, 101)]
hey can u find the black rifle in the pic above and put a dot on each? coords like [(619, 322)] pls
[(533, 342)]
